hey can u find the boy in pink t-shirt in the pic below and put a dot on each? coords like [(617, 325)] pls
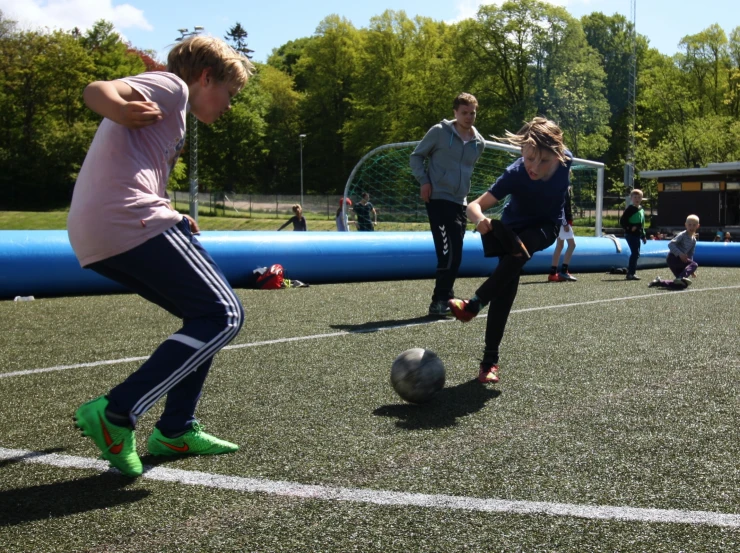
[(122, 226)]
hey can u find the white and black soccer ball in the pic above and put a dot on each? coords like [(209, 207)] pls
[(417, 375)]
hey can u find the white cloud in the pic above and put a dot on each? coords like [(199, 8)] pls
[(68, 14)]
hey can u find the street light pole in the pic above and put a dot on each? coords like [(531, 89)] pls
[(301, 137), (193, 139)]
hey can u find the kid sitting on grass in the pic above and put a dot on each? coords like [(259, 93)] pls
[(121, 225), (538, 183), (681, 257)]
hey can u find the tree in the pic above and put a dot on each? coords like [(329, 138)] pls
[(238, 35), (283, 125), (113, 59), (45, 128), (231, 151), (328, 67), (148, 58), (376, 98), (499, 58), (704, 62), (577, 102), (612, 37)]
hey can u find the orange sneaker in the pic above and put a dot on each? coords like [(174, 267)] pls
[(488, 373), (460, 310)]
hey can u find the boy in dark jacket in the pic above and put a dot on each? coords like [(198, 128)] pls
[(633, 223)]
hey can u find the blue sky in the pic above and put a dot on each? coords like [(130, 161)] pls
[(153, 24)]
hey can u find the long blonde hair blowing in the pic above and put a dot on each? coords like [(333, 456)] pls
[(540, 133)]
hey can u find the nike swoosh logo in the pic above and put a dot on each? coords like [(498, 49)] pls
[(180, 449), (115, 449)]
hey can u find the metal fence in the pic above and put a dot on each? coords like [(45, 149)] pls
[(250, 205), (325, 205)]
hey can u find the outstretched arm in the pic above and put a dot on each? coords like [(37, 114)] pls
[(117, 101)]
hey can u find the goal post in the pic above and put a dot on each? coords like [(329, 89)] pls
[(386, 175)]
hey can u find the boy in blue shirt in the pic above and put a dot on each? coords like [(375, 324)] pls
[(537, 184)]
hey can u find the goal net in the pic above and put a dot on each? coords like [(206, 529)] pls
[(385, 174)]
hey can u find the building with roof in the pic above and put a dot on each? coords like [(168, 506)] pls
[(711, 192)]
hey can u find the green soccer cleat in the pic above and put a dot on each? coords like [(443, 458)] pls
[(117, 443), (194, 442)]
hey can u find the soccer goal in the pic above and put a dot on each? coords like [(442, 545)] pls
[(385, 174)]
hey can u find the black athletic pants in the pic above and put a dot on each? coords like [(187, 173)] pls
[(447, 221), (500, 289)]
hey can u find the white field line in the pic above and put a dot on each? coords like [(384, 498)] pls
[(365, 330), (382, 497)]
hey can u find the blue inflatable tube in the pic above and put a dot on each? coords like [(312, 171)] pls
[(42, 263)]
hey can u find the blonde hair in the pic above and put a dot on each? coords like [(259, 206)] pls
[(541, 134), (694, 218), (190, 57), (296, 207), (637, 191)]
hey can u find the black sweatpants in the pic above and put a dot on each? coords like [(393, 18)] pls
[(447, 221), (500, 289)]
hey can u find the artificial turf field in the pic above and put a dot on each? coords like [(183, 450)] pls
[(615, 427)]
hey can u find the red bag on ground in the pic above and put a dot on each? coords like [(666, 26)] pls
[(270, 278)]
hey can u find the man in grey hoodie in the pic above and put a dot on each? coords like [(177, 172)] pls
[(443, 164)]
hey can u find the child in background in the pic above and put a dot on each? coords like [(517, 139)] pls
[(633, 223), (341, 219), (367, 217), (538, 183), (298, 220), (566, 234), (121, 225), (681, 257)]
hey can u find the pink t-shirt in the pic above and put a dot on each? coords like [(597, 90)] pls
[(120, 199)]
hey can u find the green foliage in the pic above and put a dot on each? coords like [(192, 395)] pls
[(328, 67), (45, 133), (111, 56), (351, 90), (178, 179), (230, 151)]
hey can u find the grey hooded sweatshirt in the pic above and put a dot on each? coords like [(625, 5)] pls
[(450, 162)]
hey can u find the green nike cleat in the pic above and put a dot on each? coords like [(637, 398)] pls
[(117, 443), (194, 442)]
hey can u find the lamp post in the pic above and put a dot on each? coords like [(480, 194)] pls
[(301, 137), (193, 139)]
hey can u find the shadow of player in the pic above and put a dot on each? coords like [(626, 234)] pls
[(447, 406), (375, 326)]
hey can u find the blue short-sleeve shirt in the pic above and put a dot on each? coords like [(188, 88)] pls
[(532, 202)]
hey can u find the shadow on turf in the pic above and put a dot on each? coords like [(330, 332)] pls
[(378, 325), (59, 499), (448, 405)]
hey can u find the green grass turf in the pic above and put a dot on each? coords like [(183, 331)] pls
[(628, 403)]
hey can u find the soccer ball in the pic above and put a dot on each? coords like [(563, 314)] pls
[(417, 374)]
